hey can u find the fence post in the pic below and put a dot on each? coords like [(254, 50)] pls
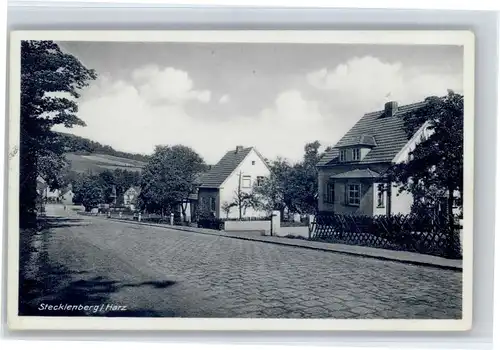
[(172, 219), (120, 214), (311, 225), (139, 217), (275, 222)]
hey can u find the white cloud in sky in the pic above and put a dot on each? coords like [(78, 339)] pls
[(120, 115), (167, 85), (151, 108), (224, 99), (367, 81)]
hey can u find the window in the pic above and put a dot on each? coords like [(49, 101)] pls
[(330, 193), (353, 194), (260, 181), (342, 156), (356, 154), (380, 198), (212, 204), (246, 181), (253, 162)]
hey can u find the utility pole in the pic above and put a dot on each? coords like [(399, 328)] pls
[(239, 195)]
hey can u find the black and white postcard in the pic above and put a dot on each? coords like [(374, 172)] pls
[(241, 180)]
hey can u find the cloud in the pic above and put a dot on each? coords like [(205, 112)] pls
[(367, 81), (167, 85), (290, 106), (224, 99), (153, 106), (119, 114)]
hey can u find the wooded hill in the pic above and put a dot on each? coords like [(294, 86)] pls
[(87, 155)]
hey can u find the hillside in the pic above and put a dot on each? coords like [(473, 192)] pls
[(99, 162), (86, 155), (80, 145)]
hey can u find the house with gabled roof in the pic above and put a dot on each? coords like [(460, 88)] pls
[(130, 197), (241, 168), (351, 176)]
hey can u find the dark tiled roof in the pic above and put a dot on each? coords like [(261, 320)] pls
[(356, 174), (387, 132), (220, 171), (357, 140), (198, 178), (330, 157)]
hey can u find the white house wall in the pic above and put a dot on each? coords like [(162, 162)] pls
[(401, 202), (421, 133), (230, 186)]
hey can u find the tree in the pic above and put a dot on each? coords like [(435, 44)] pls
[(226, 207), (51, 81), (292, 187), (108, 184), (169, 178), (123, 180), (88, 191), (305, 179), (435, 166), (244, 199)]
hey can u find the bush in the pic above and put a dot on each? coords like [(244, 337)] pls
[(263, 218), (211, 223), (294, 224)]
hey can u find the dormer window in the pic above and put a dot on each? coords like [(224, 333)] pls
[(356, 154), (342, 155)]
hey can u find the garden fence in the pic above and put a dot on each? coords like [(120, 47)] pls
[(423, 234)]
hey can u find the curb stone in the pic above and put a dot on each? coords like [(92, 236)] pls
[(455, 265)]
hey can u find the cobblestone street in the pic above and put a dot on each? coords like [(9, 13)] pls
[(161, 272)]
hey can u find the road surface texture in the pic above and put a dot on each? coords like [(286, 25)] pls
[(124, 269)]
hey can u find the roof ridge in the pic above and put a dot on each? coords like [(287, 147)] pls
[(406, 106), (385, 136), (226, 165)]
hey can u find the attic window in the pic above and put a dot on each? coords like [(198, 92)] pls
[(253, 162), (342, 155), (356, 154)]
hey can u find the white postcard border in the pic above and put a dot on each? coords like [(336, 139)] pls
[(463, 38)]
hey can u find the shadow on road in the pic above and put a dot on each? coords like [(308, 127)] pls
[(59, 221), (72, 293), (55, 290)]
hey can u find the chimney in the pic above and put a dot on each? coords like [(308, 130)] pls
[(238, 149), (390, 108)]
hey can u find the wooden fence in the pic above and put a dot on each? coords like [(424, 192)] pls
[(427, 235)]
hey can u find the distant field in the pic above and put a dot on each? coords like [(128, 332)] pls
[(101, 162)]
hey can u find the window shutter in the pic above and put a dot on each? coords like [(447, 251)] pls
[(346, 194)]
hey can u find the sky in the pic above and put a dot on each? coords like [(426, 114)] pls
[(275, 97)]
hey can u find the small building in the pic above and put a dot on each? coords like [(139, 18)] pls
[(67, 197), (351, 175), (238, 170), (130, 197)]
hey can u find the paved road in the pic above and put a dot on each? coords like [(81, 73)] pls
[(149, 271)]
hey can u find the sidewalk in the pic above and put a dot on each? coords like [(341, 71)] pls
[(382, 254)]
